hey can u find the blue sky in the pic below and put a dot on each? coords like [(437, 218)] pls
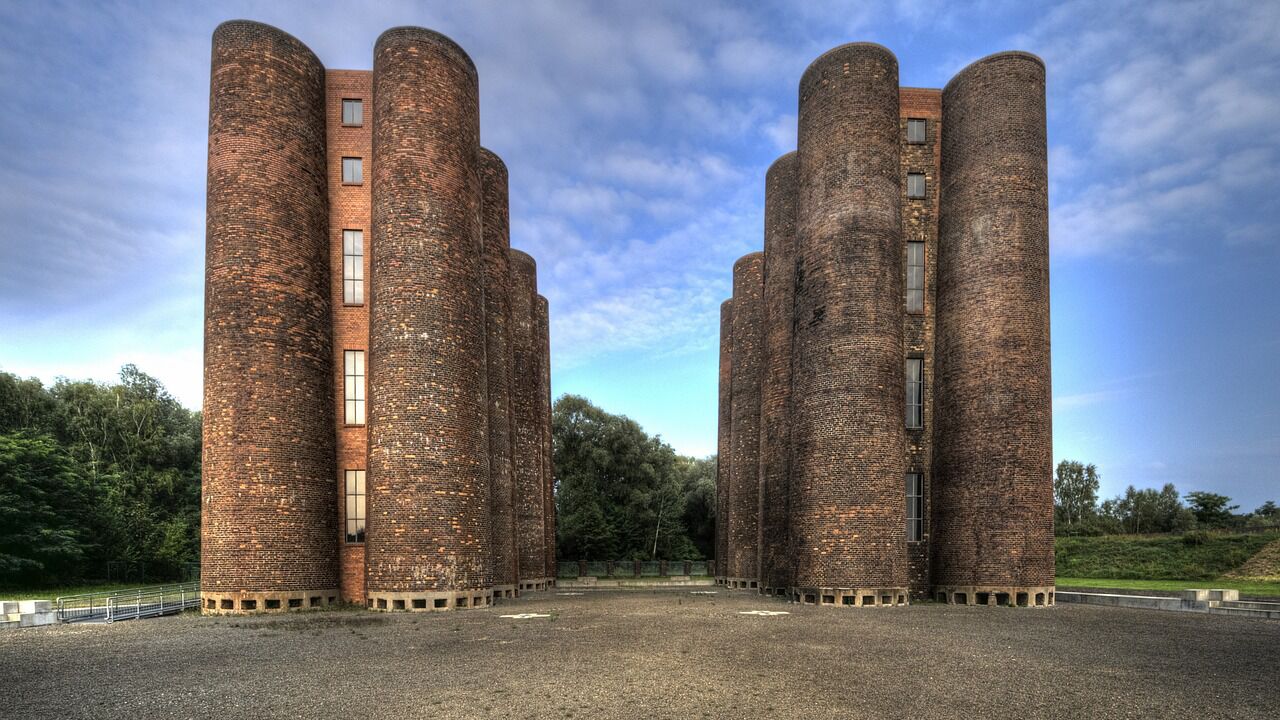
[(637, 136)]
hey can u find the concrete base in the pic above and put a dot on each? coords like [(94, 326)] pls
[(992, 595), (850, 597), (26, 613), (637, 583), (737, 583), (460, 599), (1214, 602), (536, 584), (240, 603), (505, 592)]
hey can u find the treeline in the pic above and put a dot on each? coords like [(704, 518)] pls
[(97, 481), (625, 495), (1078, 512)]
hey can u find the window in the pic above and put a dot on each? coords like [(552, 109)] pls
[(915, 392), (353, 392), (353, 267), (915, 185), (915, 277), (352, 112), (355, 506), (915, 506), (352, 170), (915, 131)]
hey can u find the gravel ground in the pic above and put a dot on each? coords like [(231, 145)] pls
[(666, 653)]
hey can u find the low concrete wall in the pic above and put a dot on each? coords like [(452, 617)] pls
[(1216, 602)]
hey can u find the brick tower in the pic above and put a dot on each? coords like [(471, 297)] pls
[(993, 496), (724, 453), (527, 437), (775, 385), (744, 481), (269, 531), (848, 517)]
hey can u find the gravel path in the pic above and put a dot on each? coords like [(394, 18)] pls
[(666, 654)]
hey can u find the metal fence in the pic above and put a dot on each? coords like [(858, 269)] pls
[(635, 568), (128, 604)]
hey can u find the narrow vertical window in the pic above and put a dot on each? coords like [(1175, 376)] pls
[(915, 392), (353, 390), (915, 277), (353, 112), (352, 170), (353, 267), (915, 506), (915, 131), (915, 185), (355, 506)]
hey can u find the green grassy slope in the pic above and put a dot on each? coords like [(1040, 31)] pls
[(1204, 556)]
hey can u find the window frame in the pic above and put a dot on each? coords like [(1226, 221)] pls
[(918, 405), (924, 280), (352, 268), (915, 506), (355, 509), (359, 170), (924, 131), (358, 103), (924, 186), (353, 383)]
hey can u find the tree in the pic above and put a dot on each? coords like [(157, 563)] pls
[(1211, 509), (1149, 510), (1268, 510), (45, 511), (622, 494), (1075, 493)]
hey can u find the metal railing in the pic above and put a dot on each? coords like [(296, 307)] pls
[(634, 568), (109, 606)]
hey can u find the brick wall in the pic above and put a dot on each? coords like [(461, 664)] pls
[(268, 526), (544, 428), (348, 210), (428, 527), (920, 223)]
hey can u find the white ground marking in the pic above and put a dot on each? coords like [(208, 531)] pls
[(702, 592), (524, 616), (568, 593), (766, 613)]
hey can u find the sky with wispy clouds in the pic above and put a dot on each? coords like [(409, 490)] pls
[(637, 135)]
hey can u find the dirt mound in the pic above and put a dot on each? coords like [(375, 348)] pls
[(1264, 565)]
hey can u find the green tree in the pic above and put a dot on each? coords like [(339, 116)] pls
[(46, 511), (1075, 494), (1149, 510), (622, 494), (1211, 509)]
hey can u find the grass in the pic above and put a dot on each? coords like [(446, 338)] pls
[(1198, 557), (1246, 587)]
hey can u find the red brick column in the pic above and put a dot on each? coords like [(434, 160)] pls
[(775, 385), (724, 452), (268, 532), (744, 481), (993, 494), (428, 480), (848, 511), (544, 426), (525, 405), (497, 243)]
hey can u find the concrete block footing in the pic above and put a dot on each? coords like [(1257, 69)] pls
[(243, 602), (851, 597), (536, 584), (996, 595), (738, 583), (460, 599)]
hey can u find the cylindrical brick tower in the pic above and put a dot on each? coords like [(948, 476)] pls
[(428, 534), (544, 425), (848, 443), (269, 532), (744, 480), (497, 297), (992, 492), (527, 434), (724, 452), (775, 384)]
